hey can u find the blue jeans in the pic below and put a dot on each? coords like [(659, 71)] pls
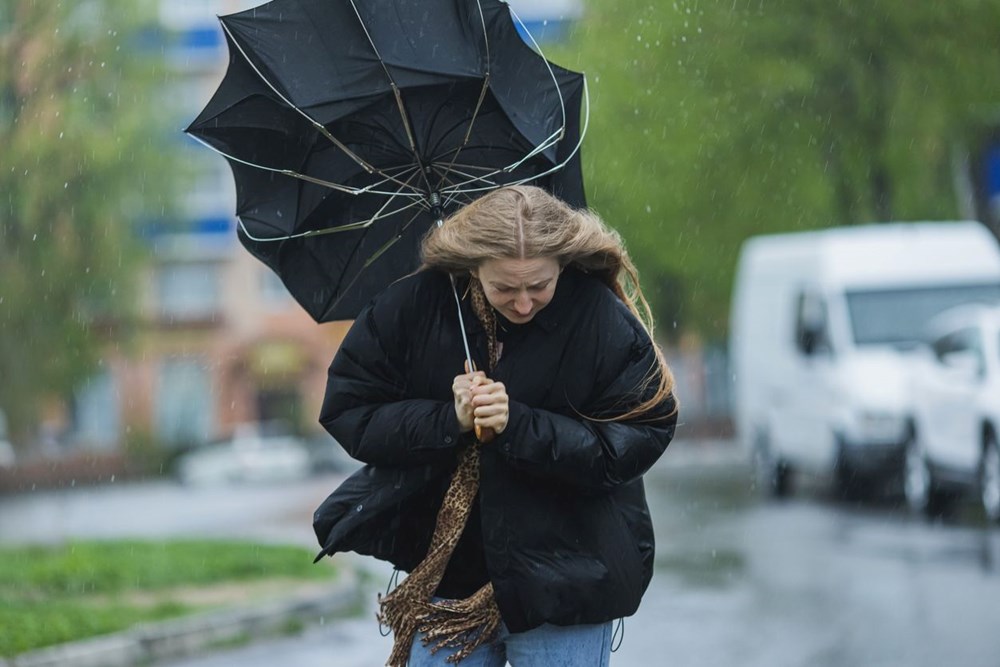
[(544, 646)]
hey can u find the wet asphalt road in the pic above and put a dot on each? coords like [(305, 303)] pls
[(739, 580)]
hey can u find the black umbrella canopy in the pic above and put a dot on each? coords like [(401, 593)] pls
[(352, 126)]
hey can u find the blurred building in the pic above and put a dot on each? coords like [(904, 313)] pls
[(222, 343)]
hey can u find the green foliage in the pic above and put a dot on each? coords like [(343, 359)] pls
[(714, 121), (56, 594), (35, 624), (81, 126)]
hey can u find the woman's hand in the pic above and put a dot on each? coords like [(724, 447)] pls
[(490, 405), (462, 389)]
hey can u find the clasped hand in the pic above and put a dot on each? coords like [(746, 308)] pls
[(480, 402)]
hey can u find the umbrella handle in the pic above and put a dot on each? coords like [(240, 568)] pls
[(483, 435)]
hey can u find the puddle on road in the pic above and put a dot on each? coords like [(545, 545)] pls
[(694, 512), (703, 569)]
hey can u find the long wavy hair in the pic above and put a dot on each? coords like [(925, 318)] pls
[(526, 222)]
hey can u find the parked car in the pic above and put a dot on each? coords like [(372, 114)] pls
[(7, 456), (249, 456), (820, 326), (956, 419)]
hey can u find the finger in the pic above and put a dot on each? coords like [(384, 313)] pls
[(493, 391), (498, 423), (489, 399), (491, 385), (466, 381), (490, 410)]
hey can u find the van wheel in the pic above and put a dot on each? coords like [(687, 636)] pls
[(921, 493), (989, 478), (848, 483), (916, 477), (773, 476)]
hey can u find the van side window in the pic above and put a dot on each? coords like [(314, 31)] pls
[(964, 342), (811, 335)]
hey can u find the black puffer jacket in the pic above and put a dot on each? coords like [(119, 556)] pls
[(566, 531)]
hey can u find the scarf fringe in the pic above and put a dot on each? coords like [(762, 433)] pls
[(462, 624), (447, 624)]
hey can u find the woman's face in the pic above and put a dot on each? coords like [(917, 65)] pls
[(519, 288)]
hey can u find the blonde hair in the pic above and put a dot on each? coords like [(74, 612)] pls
[(526, 222)]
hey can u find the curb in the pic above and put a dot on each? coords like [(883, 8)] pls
[(684, 453), (150, 642)]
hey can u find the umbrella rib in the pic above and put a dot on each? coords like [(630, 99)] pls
[(319, 181), (576, 149), (399, 97), (378, 253), (471, 166), (553, 139), (455, 195), (344, 228), (451, 169), (548, 66), (318, 126), (377, 216), (354, 226), (482, 94), (472, 122)]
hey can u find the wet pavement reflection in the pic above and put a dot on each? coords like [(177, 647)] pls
[(739, 580), (811, 581)]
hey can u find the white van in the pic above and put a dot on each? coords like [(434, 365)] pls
[(820, 330)]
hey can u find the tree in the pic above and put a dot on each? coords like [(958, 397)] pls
[(713, 121), (81, 160)]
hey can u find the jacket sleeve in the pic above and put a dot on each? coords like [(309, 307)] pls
[(365, 407), (590, 453)]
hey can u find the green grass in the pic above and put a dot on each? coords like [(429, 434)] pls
[(50, 595)]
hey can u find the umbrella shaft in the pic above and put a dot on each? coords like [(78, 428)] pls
[(461, 323)]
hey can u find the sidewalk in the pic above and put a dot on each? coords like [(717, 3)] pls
[(149, 643)]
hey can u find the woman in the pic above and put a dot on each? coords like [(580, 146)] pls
[(525, 543)]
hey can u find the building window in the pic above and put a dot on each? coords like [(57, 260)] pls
[(188, 291), (97, 413), (184, 405), (272, 290)]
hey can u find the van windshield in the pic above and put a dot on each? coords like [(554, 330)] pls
[(898, 316)]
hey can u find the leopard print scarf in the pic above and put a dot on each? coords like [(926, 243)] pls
[(458, 624)]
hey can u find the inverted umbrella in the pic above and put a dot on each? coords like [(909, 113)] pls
[(351, 126)]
